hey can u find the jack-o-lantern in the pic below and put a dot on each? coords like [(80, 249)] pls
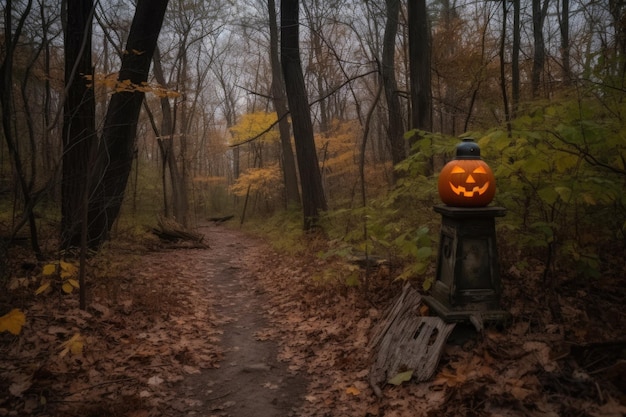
[(467, 181)]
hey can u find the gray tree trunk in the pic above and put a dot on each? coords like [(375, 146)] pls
[(390, 85), (292, 194), (313, 199)]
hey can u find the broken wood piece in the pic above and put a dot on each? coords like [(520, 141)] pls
[(406, 341)]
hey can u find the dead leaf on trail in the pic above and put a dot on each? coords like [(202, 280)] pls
[(49, 269), (611, 409), (155, 380), (20, 384), (74, 346), (190, 369), (138, 413), (353, 391), (12, 322), (398, 379)]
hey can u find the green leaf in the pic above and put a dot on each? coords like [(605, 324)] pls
[(564, 192), (565, 162), (548, 194), (535, 166), (424, 252), (401, 377)]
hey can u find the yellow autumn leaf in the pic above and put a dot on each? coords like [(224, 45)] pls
[(401, 377), (12, 322), (43, 288), (352, 391), (49, 269), (67, 287), (73, 283), (68, 270), (74, 346)]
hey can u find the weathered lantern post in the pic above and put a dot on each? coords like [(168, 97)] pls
[(467, 285)]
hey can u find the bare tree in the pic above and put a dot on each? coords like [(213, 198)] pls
[(419, 65), (388, 73), (292, 194), (29, 196), (79, 131), (539, 15), (116, 148), (313, 199)]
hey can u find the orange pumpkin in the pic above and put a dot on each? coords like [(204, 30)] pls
[(467, 181)]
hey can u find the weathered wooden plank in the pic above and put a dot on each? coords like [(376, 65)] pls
[(405, 341)]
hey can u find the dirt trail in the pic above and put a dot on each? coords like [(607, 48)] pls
[(250, 380), (237, 330)]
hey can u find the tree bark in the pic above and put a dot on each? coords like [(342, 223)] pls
[(292, 194), (313, 199), (79, 120), (117, 146), (505, 97), (419, 66), (566, 69), (539, 56), (515, 74), (394, 109), (8, 123)]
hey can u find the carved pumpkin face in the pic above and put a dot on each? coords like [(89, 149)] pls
[(466, 183)]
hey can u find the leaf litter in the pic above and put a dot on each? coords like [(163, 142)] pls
[(152, 324)]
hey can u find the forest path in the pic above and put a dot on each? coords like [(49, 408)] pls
[(249, 379), (238, 330)]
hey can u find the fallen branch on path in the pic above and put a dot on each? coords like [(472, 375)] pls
[(169, 230)]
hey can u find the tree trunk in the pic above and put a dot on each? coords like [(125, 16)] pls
[(505, 97), (313, 199), (8, 123), (292, 194), (539, 56), (419, 66), (79, 120), (515, 74), (116, 149), (394, 109), (566, 69)]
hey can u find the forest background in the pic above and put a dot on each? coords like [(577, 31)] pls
[(539, 84)]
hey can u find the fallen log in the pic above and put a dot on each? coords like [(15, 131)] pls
[(169, 230), (221, 219)]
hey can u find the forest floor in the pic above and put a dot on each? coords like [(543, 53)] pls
[(236, 330)]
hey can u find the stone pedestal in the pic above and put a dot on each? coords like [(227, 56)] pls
[(467, 286)]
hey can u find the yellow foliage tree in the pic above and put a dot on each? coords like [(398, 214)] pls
[(265, 182), (252, 125)]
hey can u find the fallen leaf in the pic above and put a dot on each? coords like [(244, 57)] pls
[(43, 288), (352, 391), (191, 369), (155, 380), (20, 384), (12, 322), (401, 377), (74, 345), (49, 269), (68, 270)]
